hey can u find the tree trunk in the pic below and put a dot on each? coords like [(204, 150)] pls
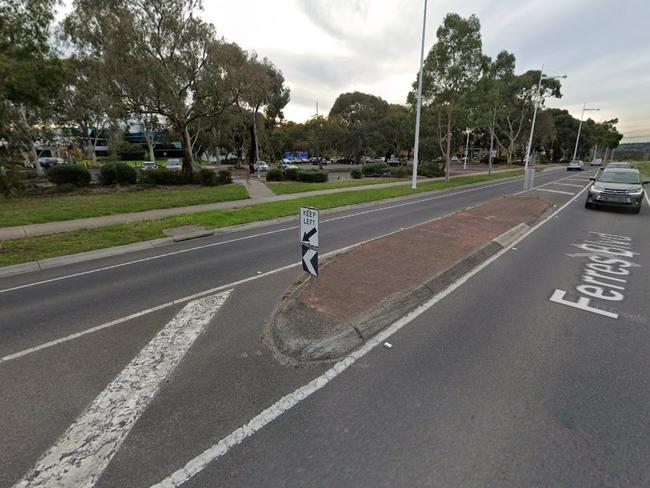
[(152, 156), (32, 148), (186, 146), (252, 156)]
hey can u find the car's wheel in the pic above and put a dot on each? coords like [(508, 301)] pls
[(588, 205), (636, 210)]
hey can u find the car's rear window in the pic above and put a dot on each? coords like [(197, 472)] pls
[(620, 177)]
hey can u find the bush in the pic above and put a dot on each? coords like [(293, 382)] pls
[(163, 176), (129, 151), (430, 170), (224, 177), (206, 177), (374, 169), (69, 174), (314, 176), (399, 172), (291, 174), (117, 174), (356, 173), (11, 183), (275, 174)]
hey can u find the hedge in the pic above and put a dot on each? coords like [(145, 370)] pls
[(374, 169), (117, 174), (356, 173), (71, 174)]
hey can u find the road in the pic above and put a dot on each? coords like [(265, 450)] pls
[(493, 385)]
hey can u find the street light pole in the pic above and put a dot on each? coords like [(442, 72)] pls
[(527, 170), (494, 121), (466, 149), (582, 116), (416, 149)]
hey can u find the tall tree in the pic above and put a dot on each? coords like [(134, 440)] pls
[(30, 74), (452, 70), (160, 57)]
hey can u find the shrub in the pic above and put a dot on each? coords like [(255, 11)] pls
[(117, 174), (163, 176), (430, 170), (291, 174), (69, 174), (128, 151), (399, 172), (275, 174), (11, 183), (356, 173), (206, 177), (374, 169), (224, 177), (314, 176)]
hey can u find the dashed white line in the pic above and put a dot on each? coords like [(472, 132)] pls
[(554, 191), (569, 184), (289, 401), (82, 454)]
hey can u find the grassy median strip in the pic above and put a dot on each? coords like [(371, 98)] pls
[(35, 248), (55, 208), (289, 187)]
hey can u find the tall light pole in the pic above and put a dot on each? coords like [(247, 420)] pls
[(582, 116), (468, 131), (528, 173), (416, 149)]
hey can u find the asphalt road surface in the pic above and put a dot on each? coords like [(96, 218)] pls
[(494, 385)]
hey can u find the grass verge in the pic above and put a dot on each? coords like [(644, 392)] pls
[(41, 247), (644, 167), (289, 187), (55, 208)]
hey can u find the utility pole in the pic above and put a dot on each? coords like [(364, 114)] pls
[(416, 149), (528, 173), (494, 121), (466, 149), (582, 116)]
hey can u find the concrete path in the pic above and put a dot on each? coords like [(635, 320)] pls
[(258, 191)]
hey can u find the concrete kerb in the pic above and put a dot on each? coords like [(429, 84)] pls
[(119, 250), (299, 344)]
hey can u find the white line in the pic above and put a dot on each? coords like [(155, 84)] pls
[(178, 301), (554, 191), (82, 454), (647, 199), (569, 184), (416, 201), (289, 401)]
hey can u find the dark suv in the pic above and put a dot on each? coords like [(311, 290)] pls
[(617, 187)]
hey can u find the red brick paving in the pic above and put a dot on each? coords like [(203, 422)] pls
[(359, 280)]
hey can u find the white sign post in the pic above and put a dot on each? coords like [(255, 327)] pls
[(309, 239)]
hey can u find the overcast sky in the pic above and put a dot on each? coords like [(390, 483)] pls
[(326, 47)]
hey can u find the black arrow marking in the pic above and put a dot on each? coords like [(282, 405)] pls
[(308, 235)]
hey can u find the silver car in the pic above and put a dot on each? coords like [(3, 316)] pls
[(617, 187), (576, 166)]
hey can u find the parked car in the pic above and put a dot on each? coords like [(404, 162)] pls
[(148, 165), (576, 166), (286, 166), (596, 162), (261, 166), (619, 165), (618, 187), (174, 164), (393, 162)]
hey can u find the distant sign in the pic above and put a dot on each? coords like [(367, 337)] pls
[(309, 239), (309, 226), (299, 156)]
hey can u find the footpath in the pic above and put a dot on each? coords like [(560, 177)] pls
[(362, 291), (258, 192)]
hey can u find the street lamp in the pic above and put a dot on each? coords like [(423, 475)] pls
[(468, 132), (584, 109), (528, 173), (414, 179)]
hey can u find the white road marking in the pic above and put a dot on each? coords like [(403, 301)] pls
[(289, 401), (647, 198), (81, 455), (554, 191), (262, 234), (569, 184), (194, 296)]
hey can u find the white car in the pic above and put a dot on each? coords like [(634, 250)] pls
[(261, 166), (147, 165), (596, 162), (174, 164), (286, 166), (576, 165)]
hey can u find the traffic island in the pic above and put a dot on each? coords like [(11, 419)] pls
[(362, 291)]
